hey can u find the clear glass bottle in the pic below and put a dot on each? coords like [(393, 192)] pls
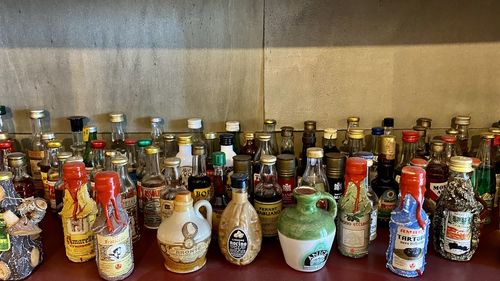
[(141, 169), (388, 124), (355, 143), (157, 131), (437, 174), (23, 183), (6, 124), (250, 148), (422, 150), (89, 135), (375, 149), (352, 122), (410, 139), (462, 125), (195, 125), (330, 140), (314, 174), (233, 127), (287, 144), (427, 124), (98, 147), (128, 194), (270, 128), (450, 147), (131, 155), (53, 148), (56, 201), (77, 146), (185, 154), (335, 166), (169, 146), (221, 198), (153, 184), (118, 132), (199, 183), (109, 154), (368, 156), (287, 177), (36, 150), (268, 196), (173, 179), (486, 179), (226, 146), (264, 149)]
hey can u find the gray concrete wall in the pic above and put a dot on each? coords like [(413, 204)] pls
[(249, 60)]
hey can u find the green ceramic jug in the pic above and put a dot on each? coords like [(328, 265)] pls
[(305, 231)]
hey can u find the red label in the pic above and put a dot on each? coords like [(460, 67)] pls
[(151, 193), (287, 185)]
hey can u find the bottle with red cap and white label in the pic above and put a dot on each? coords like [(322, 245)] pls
[(437, 176), (410, 139), (409, 226)]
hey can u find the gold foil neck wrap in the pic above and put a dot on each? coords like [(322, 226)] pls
[(387, 145)]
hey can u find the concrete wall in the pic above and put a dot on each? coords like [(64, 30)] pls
[(249, 60)]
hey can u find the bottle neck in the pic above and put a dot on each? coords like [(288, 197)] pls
[(170, 149), (156, 132), (409, 150), (173, 176), (314, 165), (437, 157), (269, 128), (98, 158), (355, 145), (152, 164), (36, 128), (463, 132), (185, 150), (117, 131), (264, 149), (388, 130), (197, 135), (131, 156), (199, 166), (484, 152), (77, 138), (268, 174), (122, 174)]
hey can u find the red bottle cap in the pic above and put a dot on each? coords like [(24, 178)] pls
[(419, 162), (130, 142), (413, 182), (98, 144), (356, 166), (410, 136), (74, 171), (449, 139), (5, 145), (475, 162), (107, 183)]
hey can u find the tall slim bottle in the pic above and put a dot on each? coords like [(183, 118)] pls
[(335, 167), (157, 131), (169, 145), (264, 149), (53, 148), (153, 184), (98, 147), (221, 198), (199, 183), (410, 139), (141, 169), (437, 174), (462, 125), (195, 125), (287, 177), (388, 124), (185, 154), (233, 127), (287, 144), (486, 179), (270, 128), (131, 155), (422, 149), (368, 156), (77, 146), (89, 135), (36, 151), (352, 122), (118, 132)]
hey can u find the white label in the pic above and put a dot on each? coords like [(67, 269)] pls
[(306, 255), (354, 232), (167, 208), (458, 232), (114, 254), (373, 224), (408, 251)]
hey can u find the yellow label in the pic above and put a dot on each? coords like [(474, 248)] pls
[(44, 177), (114, 254), (201, 193), (78, 240), (269, 213), (185, 257), (86, 134)]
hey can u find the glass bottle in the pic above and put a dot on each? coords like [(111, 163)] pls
[(109, 154), (89, 135), (141, 169), (5, 149), (23, 183), (354, 211), (384, 185), (335, 166), (287, 177), (368, 156), (118, 132), (195, 125), (153, 184), (388, 124), (375, 149), (233, 127), (128, 194), (211, 140), (436, 176), (486, 179), (268, 197), (422, 150), (36, 150), (53, 148), (270, 128), (410, 139), (352, 122), (243, 165), (52, 178), (221, 198), (330, 140), (409, 227), (56, 182), (173, 180), (185, 154), (462, 125), (226, 146), (456, 222), (44, 166), (77, 146), (98, 147), (450, 147), (199, 183), (355, 142), (287, 144), (249, 148), (131, 155), (308, 141), (314, 174), (264, 149), (169, 145), (6, 124), (156, 131)]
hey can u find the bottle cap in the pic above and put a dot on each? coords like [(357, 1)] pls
[(156, 119), (449, 139), (424, 122), (330, 134), (54, 144), (494, 130), (461, 164), (48, 136), (419, 162), (152, 149), (74, 171), (475, 162), (353, 119), (268, 159), (487, 135), (285, 165), (97, 144), (4, 136), (183, 198), (219, 158), (76, 123), (249, 135), (377, 131), (368, 156), (195, 123), (314, 152), (239, 180), (335, 164), (232, 126), (110, 153), (16, 159), (419, 128), (388, 122), (144, 142), (265, 137), (356, 166), (92, 129), (172, 162), (387, 146), (226, 139), (184, 139), (74, 158), (210, 135), (270, 122), (6, 176), (63, 155), (310, 126), (413, 182), (356, 134), (5, 145), (106, 183), (198, 149), (286, 131), (130, 142), (168, 137), (116, 117), (462, 120), (119, 160), (437, 145), (3, 110), (242, 163), (452, 131), (37, 114), (410, 136)]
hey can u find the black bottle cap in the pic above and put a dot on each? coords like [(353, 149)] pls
[(3, 111), (239, 180), (76, 123), (226, 139), (388, 122)]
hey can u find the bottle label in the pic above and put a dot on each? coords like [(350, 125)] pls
[(51, 188), (201, 193), (387, 202), (44, 177), (152, 208), (114, 254), (186, 172), (373, 224), (167, 208), (458, 232), (409, 249), (287, 185), (237, 244), (337, 189), (86, 134), (354, 232), (78, 239), (435, 189), (397, 178), (140, 196), (269, 213), (317, 258), (130, 205)]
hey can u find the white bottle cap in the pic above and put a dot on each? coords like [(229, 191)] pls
[(194, 123), (232, 126), (156, 119), (37, 114)]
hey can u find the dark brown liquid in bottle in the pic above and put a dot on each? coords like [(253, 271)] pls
[(25, 187), (195, 182)]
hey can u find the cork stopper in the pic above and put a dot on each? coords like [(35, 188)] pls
[(314, 152)]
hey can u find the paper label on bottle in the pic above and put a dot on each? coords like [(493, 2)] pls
[(78, 239), (130, 205), (35, 158), (386, 203), (354, 232), (458, 232), (186, 172), (43, 177), (237, 243), (337, 189), (114, 254), (409, 247), (373, 224), (269, 213), (435, 189), (152, 207), (51, 188), (287, 185), (317, 258), (86, 133), (201, 193), (167, 208)]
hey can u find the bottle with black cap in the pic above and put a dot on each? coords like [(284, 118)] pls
[(78, 146), (335, 166), (388, 125)]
